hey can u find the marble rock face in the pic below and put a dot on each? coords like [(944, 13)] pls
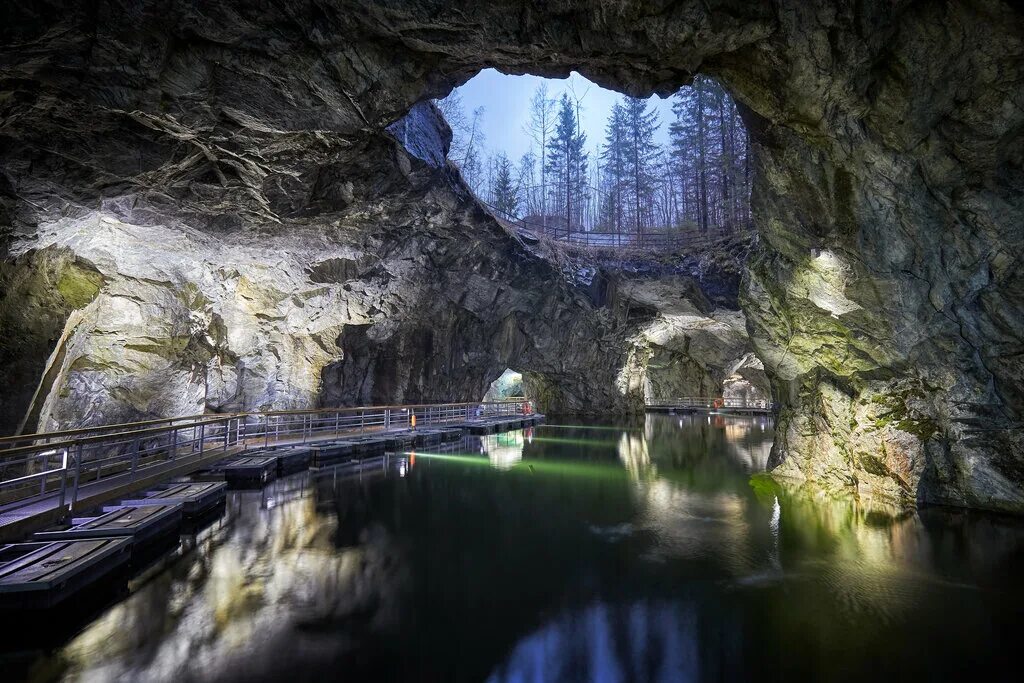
[(202, 207), (417, 298)]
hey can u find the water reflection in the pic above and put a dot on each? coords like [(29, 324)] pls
[(639, 641), (231, 609), (575, 552), (635, 456), (504, 450)]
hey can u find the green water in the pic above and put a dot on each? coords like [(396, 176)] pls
[(636, 552)]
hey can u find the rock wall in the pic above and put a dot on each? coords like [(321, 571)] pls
[(884, 297), (419, 298)]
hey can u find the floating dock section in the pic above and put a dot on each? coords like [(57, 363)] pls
[(331, 453), (491, 425), (244, 472), (43, 575), (139, 523), (290, 460), (195, 498)]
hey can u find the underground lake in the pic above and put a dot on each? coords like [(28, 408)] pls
[(644, 550)]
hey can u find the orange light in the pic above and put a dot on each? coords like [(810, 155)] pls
[(413, 420), (412, 460)]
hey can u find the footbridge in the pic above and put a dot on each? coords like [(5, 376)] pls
[(46, 477), (704, 404)]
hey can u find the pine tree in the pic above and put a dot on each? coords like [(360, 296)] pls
[(690, 145), (506, 192), (641, 156), (614, 182), (567, 164), (527, 182)]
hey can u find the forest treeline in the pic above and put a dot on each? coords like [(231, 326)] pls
[(627, 183)]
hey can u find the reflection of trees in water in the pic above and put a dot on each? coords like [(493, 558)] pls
[(230, 609)]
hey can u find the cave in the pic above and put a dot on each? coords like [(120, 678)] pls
[(235, 207), (197, 217)]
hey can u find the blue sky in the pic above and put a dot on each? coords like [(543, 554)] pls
[(506, 100)]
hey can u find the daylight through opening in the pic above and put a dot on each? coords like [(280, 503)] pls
[(570, 160)]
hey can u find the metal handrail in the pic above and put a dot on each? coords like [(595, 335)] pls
[(58, 462), (189, 419)]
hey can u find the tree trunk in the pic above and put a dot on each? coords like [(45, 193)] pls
[(702, 177), (724, 164)]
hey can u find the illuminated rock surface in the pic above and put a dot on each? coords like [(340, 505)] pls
[(237, 137)]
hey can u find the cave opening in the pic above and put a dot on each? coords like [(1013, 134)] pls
[(508, 386), (569, 160)]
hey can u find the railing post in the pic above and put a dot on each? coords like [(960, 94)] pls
[(63, 480), (202, 438), (42, 480), (135, 456), (227, 433), (174, 442), (74, 481), (387, 419)]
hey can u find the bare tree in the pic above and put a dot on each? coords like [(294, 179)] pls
[(540, 128)]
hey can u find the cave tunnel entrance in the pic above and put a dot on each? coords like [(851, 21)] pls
[(508, 386)]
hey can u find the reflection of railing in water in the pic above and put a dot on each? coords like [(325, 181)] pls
[(710, 403), (54, 465)]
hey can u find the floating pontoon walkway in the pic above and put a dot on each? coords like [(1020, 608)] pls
[(45, 478)]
